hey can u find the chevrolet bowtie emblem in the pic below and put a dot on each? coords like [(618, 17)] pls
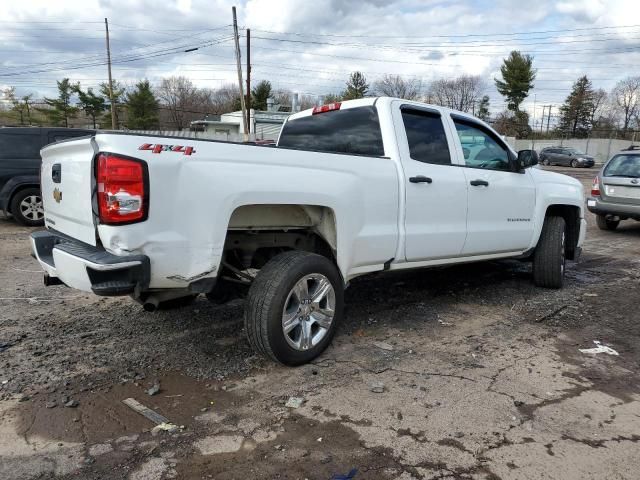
[(57, 195)]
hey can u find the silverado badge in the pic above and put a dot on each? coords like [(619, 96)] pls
[(57, 195)]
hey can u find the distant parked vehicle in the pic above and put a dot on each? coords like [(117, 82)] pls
[(566, 156), (20, 169), (615, 195)]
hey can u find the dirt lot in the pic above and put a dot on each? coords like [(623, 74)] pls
[(467, 372)]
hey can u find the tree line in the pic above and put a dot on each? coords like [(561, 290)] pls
[(177, 101), (173, 104)]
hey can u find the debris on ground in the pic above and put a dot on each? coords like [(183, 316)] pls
[(377, 387), (72, 403), (146, 412), (164, 427), (599, 348), (383, 346), (445, 324), (155, 388), (294, 402), (348, 476)]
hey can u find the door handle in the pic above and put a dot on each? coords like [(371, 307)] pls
[(477, 183), (420, 179), (56, 173)]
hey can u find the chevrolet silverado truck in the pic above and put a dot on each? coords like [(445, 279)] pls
[(350, 188)]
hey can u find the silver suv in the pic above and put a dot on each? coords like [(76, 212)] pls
[(615, 194)]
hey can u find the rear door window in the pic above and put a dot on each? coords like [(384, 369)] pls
[(353, 131), (426, 137), (20, 145)]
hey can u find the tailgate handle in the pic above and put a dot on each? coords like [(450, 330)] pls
[(56, 173)]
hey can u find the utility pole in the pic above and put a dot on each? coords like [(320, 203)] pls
[(242, 104), (113, 109), (548, 118), (249, 78), (542, 122)]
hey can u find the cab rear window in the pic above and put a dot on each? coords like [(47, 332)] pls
[(353, 131), (623, 166)]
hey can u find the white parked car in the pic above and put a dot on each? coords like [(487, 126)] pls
[(351, 188)]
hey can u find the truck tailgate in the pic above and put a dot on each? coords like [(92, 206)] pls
[(67, 183)]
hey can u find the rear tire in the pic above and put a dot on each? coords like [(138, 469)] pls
[(549, 257), (606, 224), (294, 307), (26, 207)]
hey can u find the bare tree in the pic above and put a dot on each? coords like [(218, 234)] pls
[(181, 100), (599, 103), (225, 99), (396, 86), (626, 95), (460, 93)]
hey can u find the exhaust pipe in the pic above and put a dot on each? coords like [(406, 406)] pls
[(150, 304)]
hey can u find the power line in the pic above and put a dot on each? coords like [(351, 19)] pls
[(564, 30)]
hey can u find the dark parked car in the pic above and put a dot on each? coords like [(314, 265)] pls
[(615, 194), (20, 169), (565, 156)]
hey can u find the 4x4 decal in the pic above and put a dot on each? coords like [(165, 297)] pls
[(159, 148)]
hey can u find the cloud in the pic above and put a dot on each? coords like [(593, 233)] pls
[(316, 43), (433, 55), (582, 10)]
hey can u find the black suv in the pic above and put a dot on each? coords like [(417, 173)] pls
[(565, 156), (20, 169)]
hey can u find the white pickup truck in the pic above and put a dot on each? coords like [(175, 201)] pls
[(351, 188)]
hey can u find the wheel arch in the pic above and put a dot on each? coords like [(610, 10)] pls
[(253, 228), (15, 185), (572, 217)]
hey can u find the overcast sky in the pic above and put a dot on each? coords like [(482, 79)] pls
[(310, 46)]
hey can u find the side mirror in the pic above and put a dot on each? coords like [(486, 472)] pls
[(527, 158)]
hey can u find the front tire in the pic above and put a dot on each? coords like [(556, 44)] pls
[(294, 307), (26, 207), (549, 257), (574, 164), (605, 224)]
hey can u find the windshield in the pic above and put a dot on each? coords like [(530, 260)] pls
[(623, 166), (575, 151)]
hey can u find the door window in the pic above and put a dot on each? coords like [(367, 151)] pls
[(481, 148), (426, 137), (20, 145)]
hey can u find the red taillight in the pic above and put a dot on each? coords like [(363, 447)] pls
[(122, 189), (595, 188), (330, 107)]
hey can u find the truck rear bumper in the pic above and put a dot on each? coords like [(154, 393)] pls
[(88, 268)]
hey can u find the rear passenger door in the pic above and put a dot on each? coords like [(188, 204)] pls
[(435, 189)]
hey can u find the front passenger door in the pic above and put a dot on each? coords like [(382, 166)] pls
[(501, 201)]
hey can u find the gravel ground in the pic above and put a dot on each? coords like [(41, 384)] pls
[(464, 372)]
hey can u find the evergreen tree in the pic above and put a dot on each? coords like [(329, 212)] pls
[(259, 95), (483, 108), (93, 105), (577, 111), (118, 100), (142, 107), (357, 87), (517, 79), (60, 109)]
